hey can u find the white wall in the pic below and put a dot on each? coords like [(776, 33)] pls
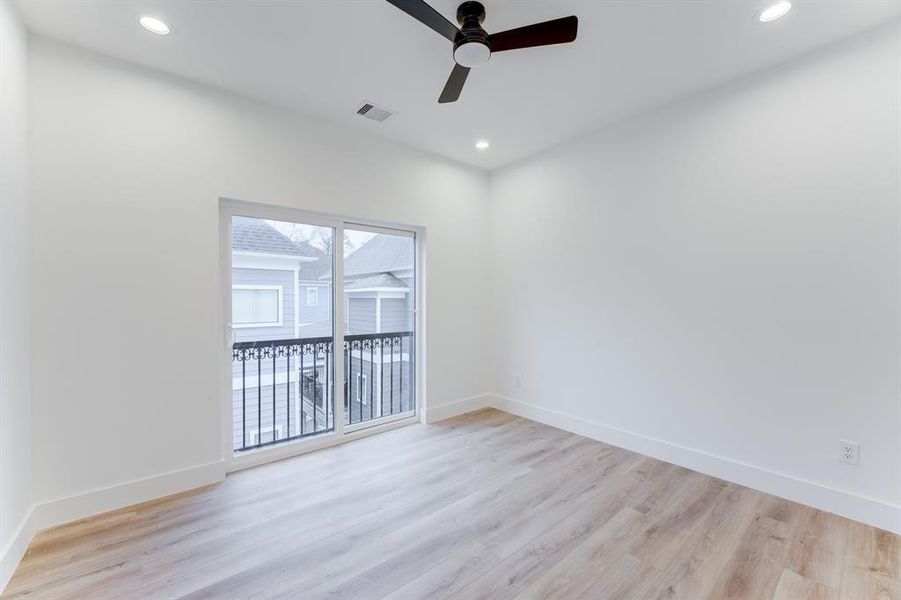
[(719, 278), (723, 277), (128, 166), (15, 369)]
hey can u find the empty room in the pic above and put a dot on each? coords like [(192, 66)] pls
[(444, 299)]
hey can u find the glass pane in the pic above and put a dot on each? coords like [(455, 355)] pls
[(242, 306), (265, 306), (282, 361), (379, 303)]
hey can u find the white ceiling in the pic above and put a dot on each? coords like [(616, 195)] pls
[(325, 57)]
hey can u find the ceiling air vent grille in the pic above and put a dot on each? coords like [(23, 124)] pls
[(376, 113)]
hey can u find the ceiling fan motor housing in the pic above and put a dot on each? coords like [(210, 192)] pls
[(472, 12), (472, 44), (471, 47)]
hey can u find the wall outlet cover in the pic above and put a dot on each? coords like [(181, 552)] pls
[(848, 452)]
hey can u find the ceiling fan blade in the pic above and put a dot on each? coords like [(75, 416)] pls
[(454, 85), (557, 31), (422, 12)]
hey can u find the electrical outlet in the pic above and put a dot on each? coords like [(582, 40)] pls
[(517, 381), (848, 452)]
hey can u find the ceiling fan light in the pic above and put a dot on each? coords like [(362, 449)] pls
[(471, 54)]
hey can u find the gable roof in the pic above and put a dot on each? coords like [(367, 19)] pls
[(382, 280), (381, 254), (319, 269), (256, 235)]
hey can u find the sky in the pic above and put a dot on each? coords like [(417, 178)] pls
[(318, 236)]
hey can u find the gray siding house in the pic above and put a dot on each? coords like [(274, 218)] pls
[(277, 294), (380, 298)]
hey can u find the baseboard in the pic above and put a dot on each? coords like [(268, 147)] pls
[(446, 411), (88, 504), (858, 508), (866, 510), (15, 550)]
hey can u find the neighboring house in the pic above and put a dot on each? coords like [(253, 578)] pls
[(315, 298), (281, 290), (378, 286), (277, 294), (379, 298)]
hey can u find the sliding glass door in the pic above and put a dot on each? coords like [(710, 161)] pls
[(282, 323), (322, 315), (379, 317)]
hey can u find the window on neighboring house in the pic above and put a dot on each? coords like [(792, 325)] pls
[(256, 306), (265, 435), (362, 388), (312, 296)]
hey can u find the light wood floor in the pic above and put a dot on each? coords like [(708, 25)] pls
[(483, 506)]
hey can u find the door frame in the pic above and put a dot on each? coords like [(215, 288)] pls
[(229, 207)]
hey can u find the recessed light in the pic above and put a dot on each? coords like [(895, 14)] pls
[(154, 25), (774, 11), (482, 145)]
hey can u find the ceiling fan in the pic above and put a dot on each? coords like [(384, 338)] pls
[(473, 45)]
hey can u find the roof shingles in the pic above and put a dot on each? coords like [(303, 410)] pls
[(381, 254), (256, 235)]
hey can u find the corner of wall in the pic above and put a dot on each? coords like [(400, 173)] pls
[(460, 407), (11, 555), (15, 283)]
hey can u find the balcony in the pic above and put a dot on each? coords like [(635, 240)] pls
[(283, 390)]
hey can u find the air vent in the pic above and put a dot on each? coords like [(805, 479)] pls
[(376, 113)]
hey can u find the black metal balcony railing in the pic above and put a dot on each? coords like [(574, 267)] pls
[(284, 389), (386, 389)]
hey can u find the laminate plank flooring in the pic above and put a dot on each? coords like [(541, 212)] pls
[(483, 506)]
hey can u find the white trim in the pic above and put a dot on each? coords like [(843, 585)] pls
[(378, 292), (226, 392), (11, 556), (309, 217), (398, 230), (250, 381), (326, 439), (381, 421), (460, 407), (398, 357), (291, 257), (102, 500), (315, 291), (398, 272), (63, 510), (281, 377), (846, 504), (337, 311), (230, 207), (362, 384), (281, 305), (247, 261), (296, 302), (113, 497), (420, 364), (278, 432)]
